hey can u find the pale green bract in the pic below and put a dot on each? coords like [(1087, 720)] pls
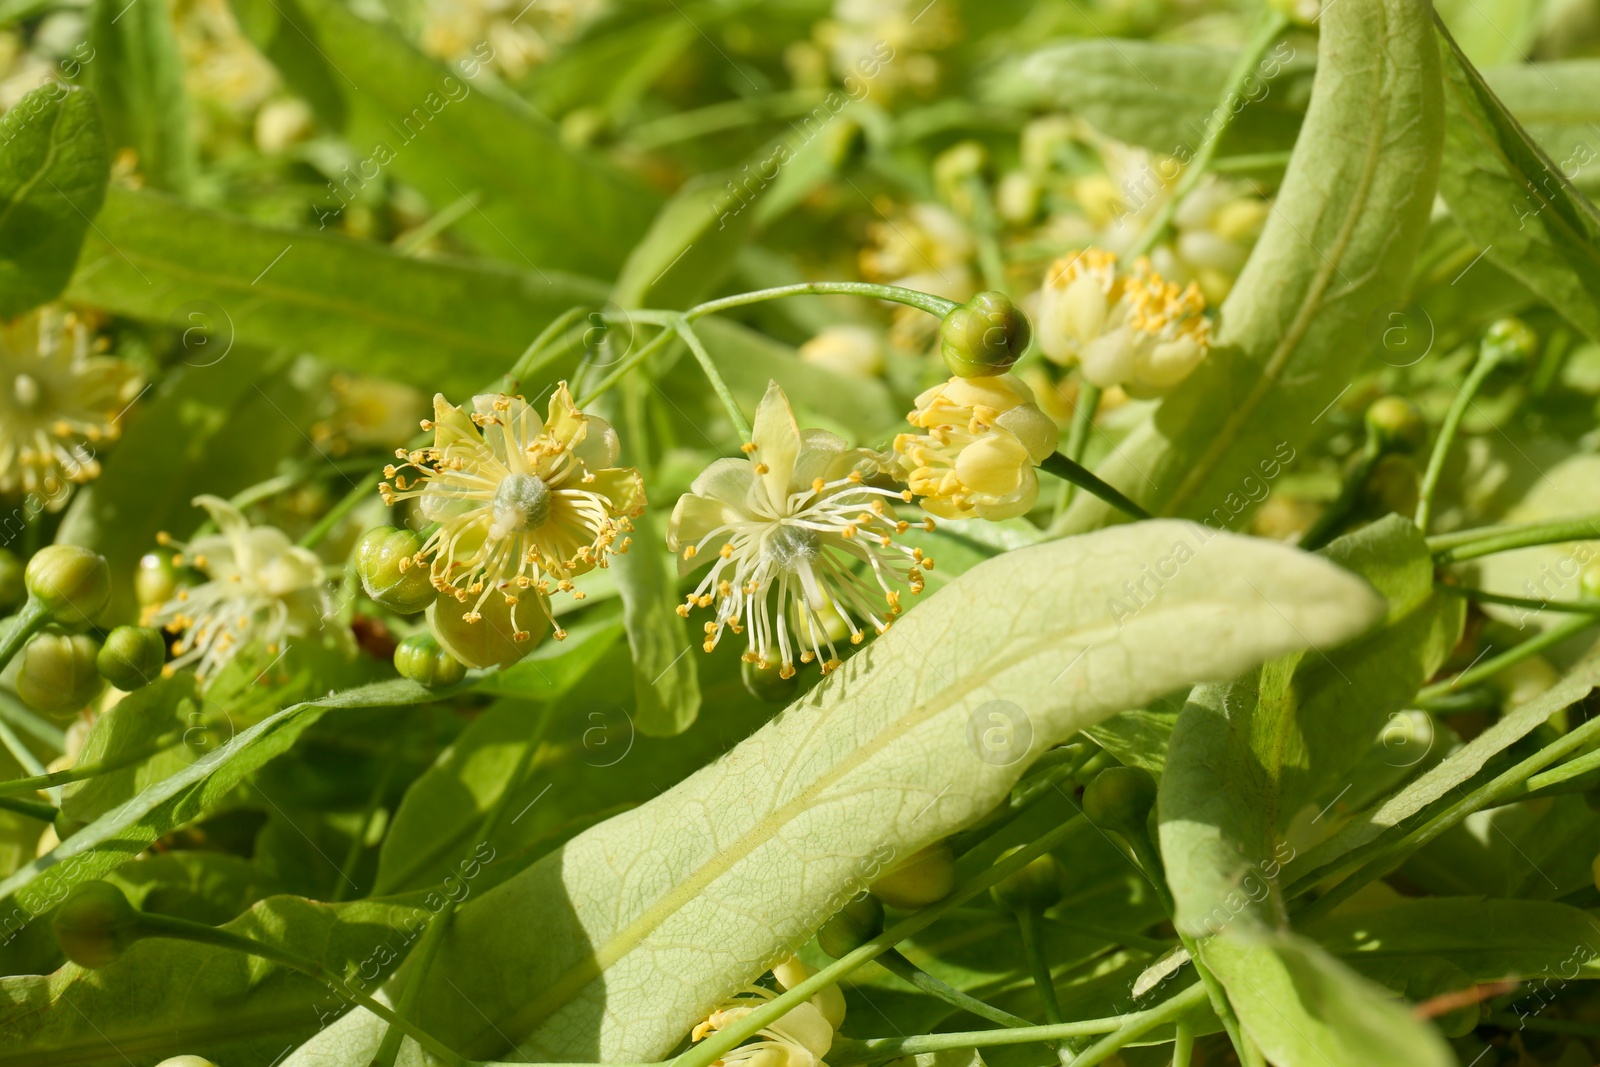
[(613, 947)]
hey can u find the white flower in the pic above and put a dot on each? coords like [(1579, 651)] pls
[(1136, 330), (57, 401), (261, 589), (790, 530), (521, 504), (985, 436), (800, 1038)]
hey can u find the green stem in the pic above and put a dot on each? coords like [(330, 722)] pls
[(1078, 439), (534, 356), (1029, 929), (29, 620), (1141, 1023), (1471, 544), (896, 964), (1183, 1044), (33, 809), (1127, 1027), (363, 490), (90, 770), (1075, 473), (184, 930), (1327, 525), (720, 387), (1510, 657), (1447, 434), (728, 1038), (1271, 28), (650, 348), (933, 305), (1572, 607), (1385, 857)]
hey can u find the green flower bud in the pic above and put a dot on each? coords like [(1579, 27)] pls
[(58, 671), (12, 587), (489, 636), (186, 1061), (984, 336), (1510, 342), (155, 581), (1395, 424), (95, 924), (385, 560), (420, 659), (767, 684), (1589, 581), (69, 582), (1120, 799), (858, 922), (132, 657), (1034, 888), (926, 877)]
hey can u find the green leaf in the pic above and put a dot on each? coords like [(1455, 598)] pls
[(452, 134), (169, 998), (224, 280), (1515, 201), (1489, 939), (1457, 768), (1492, 32), (666, 688), (1558, 104), (689, 248), (1344, 229), (136, 722), (600, 951), (1157, 94), (1305, 1009), (1245, 758), (137, 74), (53, 174), (122, 833)]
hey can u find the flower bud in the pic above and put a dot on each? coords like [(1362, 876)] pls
[(1120, 799), (132, 657), (385, 560), (488, 635), (58, 672), (420, 659), (984, 336), (186, 1061), (95, 924), (1589, 581), (155, 581), (926, 877), (12, 588), (1034, 888), (69, 582), (1510, 342), (1395, 424), (767, 684), (858, 922)]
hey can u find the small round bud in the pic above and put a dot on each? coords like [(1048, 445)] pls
[(69, 582), (984, 336), (1034, 888), (58, 672), (1589, 581), (420, 659), (491, 634), (155, 581), (858, 922), (926, 877), (1395, 424), (767, 684), (1120, 799), (186, 1061), (1510, 342), (132, 657), (12, 587), (385, 560), (95, 924)]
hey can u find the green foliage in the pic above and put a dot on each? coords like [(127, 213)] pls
[(53, 172), (137, 75)]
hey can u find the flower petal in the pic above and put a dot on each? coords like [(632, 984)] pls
[(777, 441)]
